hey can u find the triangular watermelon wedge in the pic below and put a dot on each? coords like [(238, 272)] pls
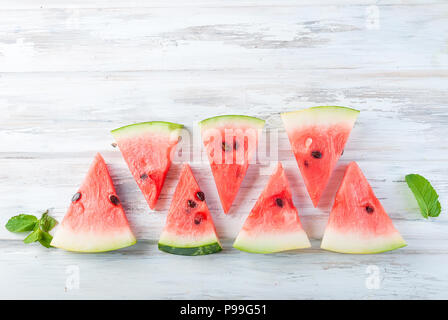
[(147, 148), (318, 136), (95, 220), (358, 222), (273, 225), (230, 142), (189, 228)]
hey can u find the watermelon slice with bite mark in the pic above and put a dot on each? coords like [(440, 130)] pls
[(273, 225), (189, 228), (230, 142), (358, 222), (147, 147), (95, 220), (318, 136)]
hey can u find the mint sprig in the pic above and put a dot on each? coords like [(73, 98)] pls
[(40, 227), (427, 198)]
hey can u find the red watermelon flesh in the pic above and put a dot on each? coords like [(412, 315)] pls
[(318, 136), (273, 225), (189, 228), (147, 148), (95, 220), (230, 142), (358, 222)]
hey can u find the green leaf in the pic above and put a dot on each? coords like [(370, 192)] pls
[(34, 236), (39, 228), (21, 223), (46, 222), (45, 239), (427, 198)]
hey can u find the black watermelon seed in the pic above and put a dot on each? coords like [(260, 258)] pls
[(191, 204), (279, 202), (235, 145), (369, 209), (306, 163), (114, 199), (144, 176), (113, 144), (76, 197), (200, 196), (198, 218), (316, 154), (226, 147), (342, 152)]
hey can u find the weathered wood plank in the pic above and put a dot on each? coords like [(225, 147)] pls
[(40, 4), (70, 71), (199, 37), (152, 274)]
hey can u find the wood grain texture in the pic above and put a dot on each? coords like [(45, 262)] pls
[(71, 71)]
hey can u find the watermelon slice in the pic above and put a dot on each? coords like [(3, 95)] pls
[(147, 147), (318, 136), (189, 228), (95, 220), (230, 142), (273, 225), (358, 222)]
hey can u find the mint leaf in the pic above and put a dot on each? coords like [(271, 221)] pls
[(21, 223), (427, 198), (46, 222), (39, 228), (34, 236), (45, 239)]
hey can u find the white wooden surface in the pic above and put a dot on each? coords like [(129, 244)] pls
[(70, 71)]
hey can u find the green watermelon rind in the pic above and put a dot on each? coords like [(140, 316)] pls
[(251, 246), (384, 249), (329, 243), (99, 249), (347, 110), (330, 114), (234, 119), (154, 126), (191, 251), (66, 241), (261, 251), (339, 108)]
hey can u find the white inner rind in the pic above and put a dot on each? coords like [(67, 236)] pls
[(353, 242), (320, 116), (185, 241), (66, 239), (269, 242)]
